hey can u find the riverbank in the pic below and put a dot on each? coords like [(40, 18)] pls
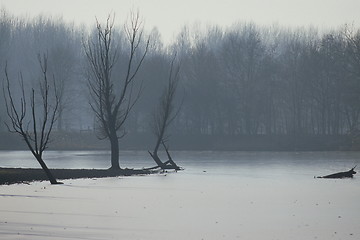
[(26, 175)]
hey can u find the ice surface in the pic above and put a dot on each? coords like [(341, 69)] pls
[(253, 199)]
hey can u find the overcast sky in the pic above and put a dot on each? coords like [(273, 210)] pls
[(170, 15)]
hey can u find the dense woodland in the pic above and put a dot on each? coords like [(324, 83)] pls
[(244, 81)]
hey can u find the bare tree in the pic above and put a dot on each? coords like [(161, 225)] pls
[(110, 105), (352, 98), (34, 127), (163, 116)]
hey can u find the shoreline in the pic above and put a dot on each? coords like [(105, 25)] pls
[(10, 176)]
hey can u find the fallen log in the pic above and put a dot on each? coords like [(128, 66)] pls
[(347, 174)]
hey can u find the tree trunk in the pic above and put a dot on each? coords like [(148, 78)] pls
[(47, 171), (157, 145), (60, 119), (169, 164), (157, 160), (114, 143)]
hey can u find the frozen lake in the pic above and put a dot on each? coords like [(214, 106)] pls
[(220, 195), (241, 164)]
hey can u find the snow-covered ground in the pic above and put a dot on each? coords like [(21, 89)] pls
[(245, 201)]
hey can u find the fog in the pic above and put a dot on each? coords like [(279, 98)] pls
[(276, 92), (174, 14), (237, 83)]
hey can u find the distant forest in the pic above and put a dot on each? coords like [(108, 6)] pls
[(241, 85)]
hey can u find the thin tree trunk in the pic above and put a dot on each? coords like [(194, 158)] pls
[(47, 171), (157, 160), (158, 142), (60, 119)]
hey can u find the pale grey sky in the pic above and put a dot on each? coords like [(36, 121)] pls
[(170, 15)]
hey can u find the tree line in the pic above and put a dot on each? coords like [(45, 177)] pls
[(251, 80), (240, 80)]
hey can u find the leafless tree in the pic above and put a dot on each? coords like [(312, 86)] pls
[(35, 126), (163, 116), (111, 105), (352, 98)]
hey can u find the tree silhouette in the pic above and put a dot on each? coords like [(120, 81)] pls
[(111, 105), (34, 127)]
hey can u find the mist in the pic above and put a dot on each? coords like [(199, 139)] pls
[(252, 130), (244, 87)]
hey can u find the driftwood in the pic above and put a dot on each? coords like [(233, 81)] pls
[(347, 174)]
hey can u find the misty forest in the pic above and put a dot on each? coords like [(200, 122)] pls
[(265, 120), (244, 87)]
